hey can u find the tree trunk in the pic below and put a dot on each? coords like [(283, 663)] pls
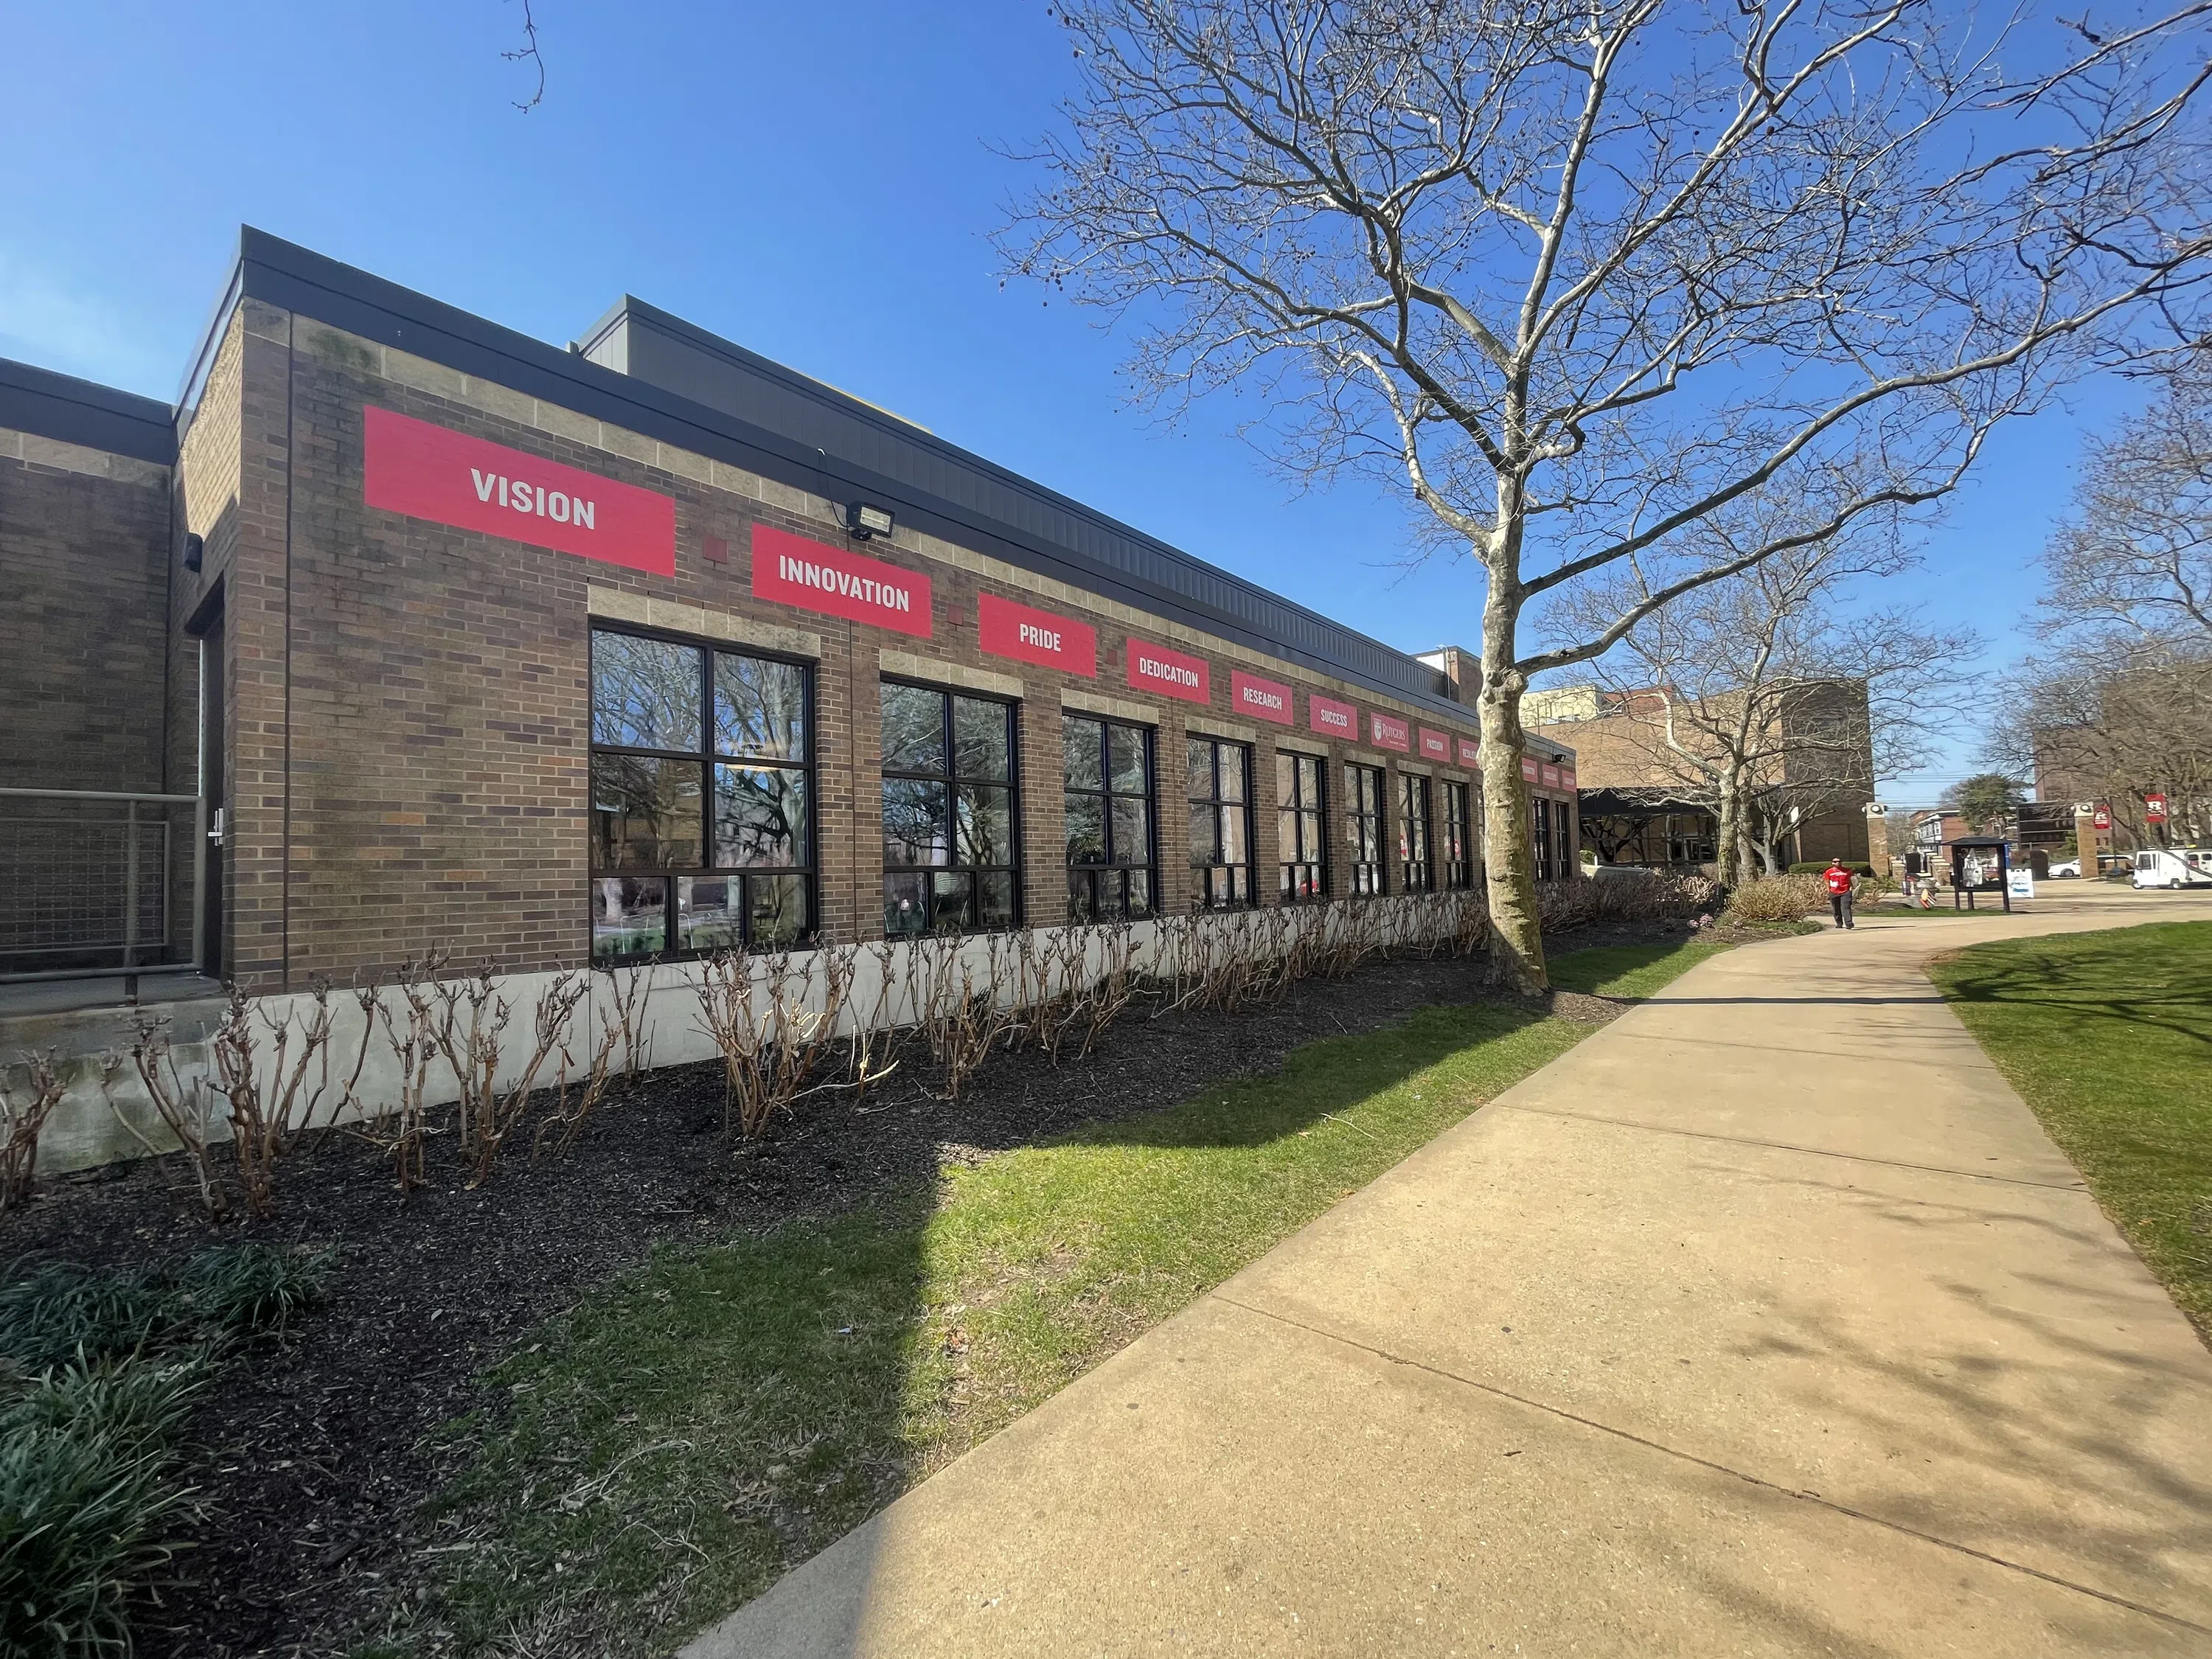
[(1508, 860), (1728, 862)]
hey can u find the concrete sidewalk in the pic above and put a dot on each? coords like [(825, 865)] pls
[(1767, 1320)]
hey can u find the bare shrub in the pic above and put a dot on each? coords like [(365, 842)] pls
[(471, 1034), (963, 1009), (268, 1114), (774, 1015), (1775, 898), (187, 1110), (503, 1111), (412, 1033), (572, 1109), (629, 992), (23, 1115)]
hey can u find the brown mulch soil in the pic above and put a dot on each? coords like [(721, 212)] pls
[(312, 1459)]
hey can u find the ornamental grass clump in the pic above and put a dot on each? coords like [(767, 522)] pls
[(1775, 899), (90, 1507), (98, 1372)]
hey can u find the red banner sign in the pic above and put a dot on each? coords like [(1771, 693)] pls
[(1018, 631), (1388, 732), (1529, 772), (1550, 775), (792, 570), (1470, 752), (1170, 673), (1267, 700), (2102, 819), (1567, 778), (2154, 809), (430, 472), (1434, 745), (1330, 718)]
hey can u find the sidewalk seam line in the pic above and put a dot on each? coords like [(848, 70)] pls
[(1787, 1146), (1759, 1481)]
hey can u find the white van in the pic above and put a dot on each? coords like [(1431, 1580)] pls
[(2172, 866)]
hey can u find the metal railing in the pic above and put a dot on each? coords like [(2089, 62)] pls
[(81, 888)]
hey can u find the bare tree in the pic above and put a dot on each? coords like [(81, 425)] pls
[(1772, 697), (2130, 568), (2118, 706), (1578, 277)]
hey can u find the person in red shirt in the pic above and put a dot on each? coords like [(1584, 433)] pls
[(1839, 892)]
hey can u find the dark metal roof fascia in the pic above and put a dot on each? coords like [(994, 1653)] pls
[(297, 279), (73, 411)]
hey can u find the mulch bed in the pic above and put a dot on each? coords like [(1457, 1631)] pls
[(314, 1458)]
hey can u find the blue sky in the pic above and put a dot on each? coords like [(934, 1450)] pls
[(817, 183)]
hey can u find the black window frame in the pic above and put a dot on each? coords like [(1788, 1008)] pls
[(1563, 832), (1105, 884), (1298, 863), (1216, 808), (1540, 833), (1417, 849), (708, 755), (1456, 853), (1368, 876), (952, 779)]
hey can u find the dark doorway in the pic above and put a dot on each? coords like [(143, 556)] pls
[(213, 792)]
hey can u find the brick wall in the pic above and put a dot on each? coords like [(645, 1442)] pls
[(83, 534), (83, 573), (411, 700)]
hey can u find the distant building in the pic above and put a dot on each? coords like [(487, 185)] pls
[(1639, 805)]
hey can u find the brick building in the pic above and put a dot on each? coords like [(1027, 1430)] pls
[(432, 633), (1640, 803)]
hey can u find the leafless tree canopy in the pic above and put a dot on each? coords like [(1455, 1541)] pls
[(2118, 704), (1581, 276), (1777, 696)]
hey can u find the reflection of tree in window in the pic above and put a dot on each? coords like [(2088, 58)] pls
[(702, 835), (1457, 847), (1108, 770), (1417, 872), (1362, 825), (951, 862), (1302, 846), (1220, 822)]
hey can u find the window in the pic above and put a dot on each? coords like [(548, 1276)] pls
[(701, 822), (1362, 825), (1457, 850), (1540, 812), (1221, 822), (1419, 873), (1303, 845), (1563, 820), (1109, 819), (950, 857)]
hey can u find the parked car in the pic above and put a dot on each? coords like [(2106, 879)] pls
[(2067, 867), (2172, 866)]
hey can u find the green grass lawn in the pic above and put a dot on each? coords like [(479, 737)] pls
[(2108, 1035), (691, 1430)]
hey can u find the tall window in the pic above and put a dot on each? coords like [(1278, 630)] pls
[(1413, 858), (1563, 821), (701, 822), (1541, 809), (1457, 850), (1362, 825), (951, 862), (1221, 822), (1303, 845), (1109, 819)]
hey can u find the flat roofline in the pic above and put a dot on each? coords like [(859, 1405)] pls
[(296, 279), (74, 412)]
